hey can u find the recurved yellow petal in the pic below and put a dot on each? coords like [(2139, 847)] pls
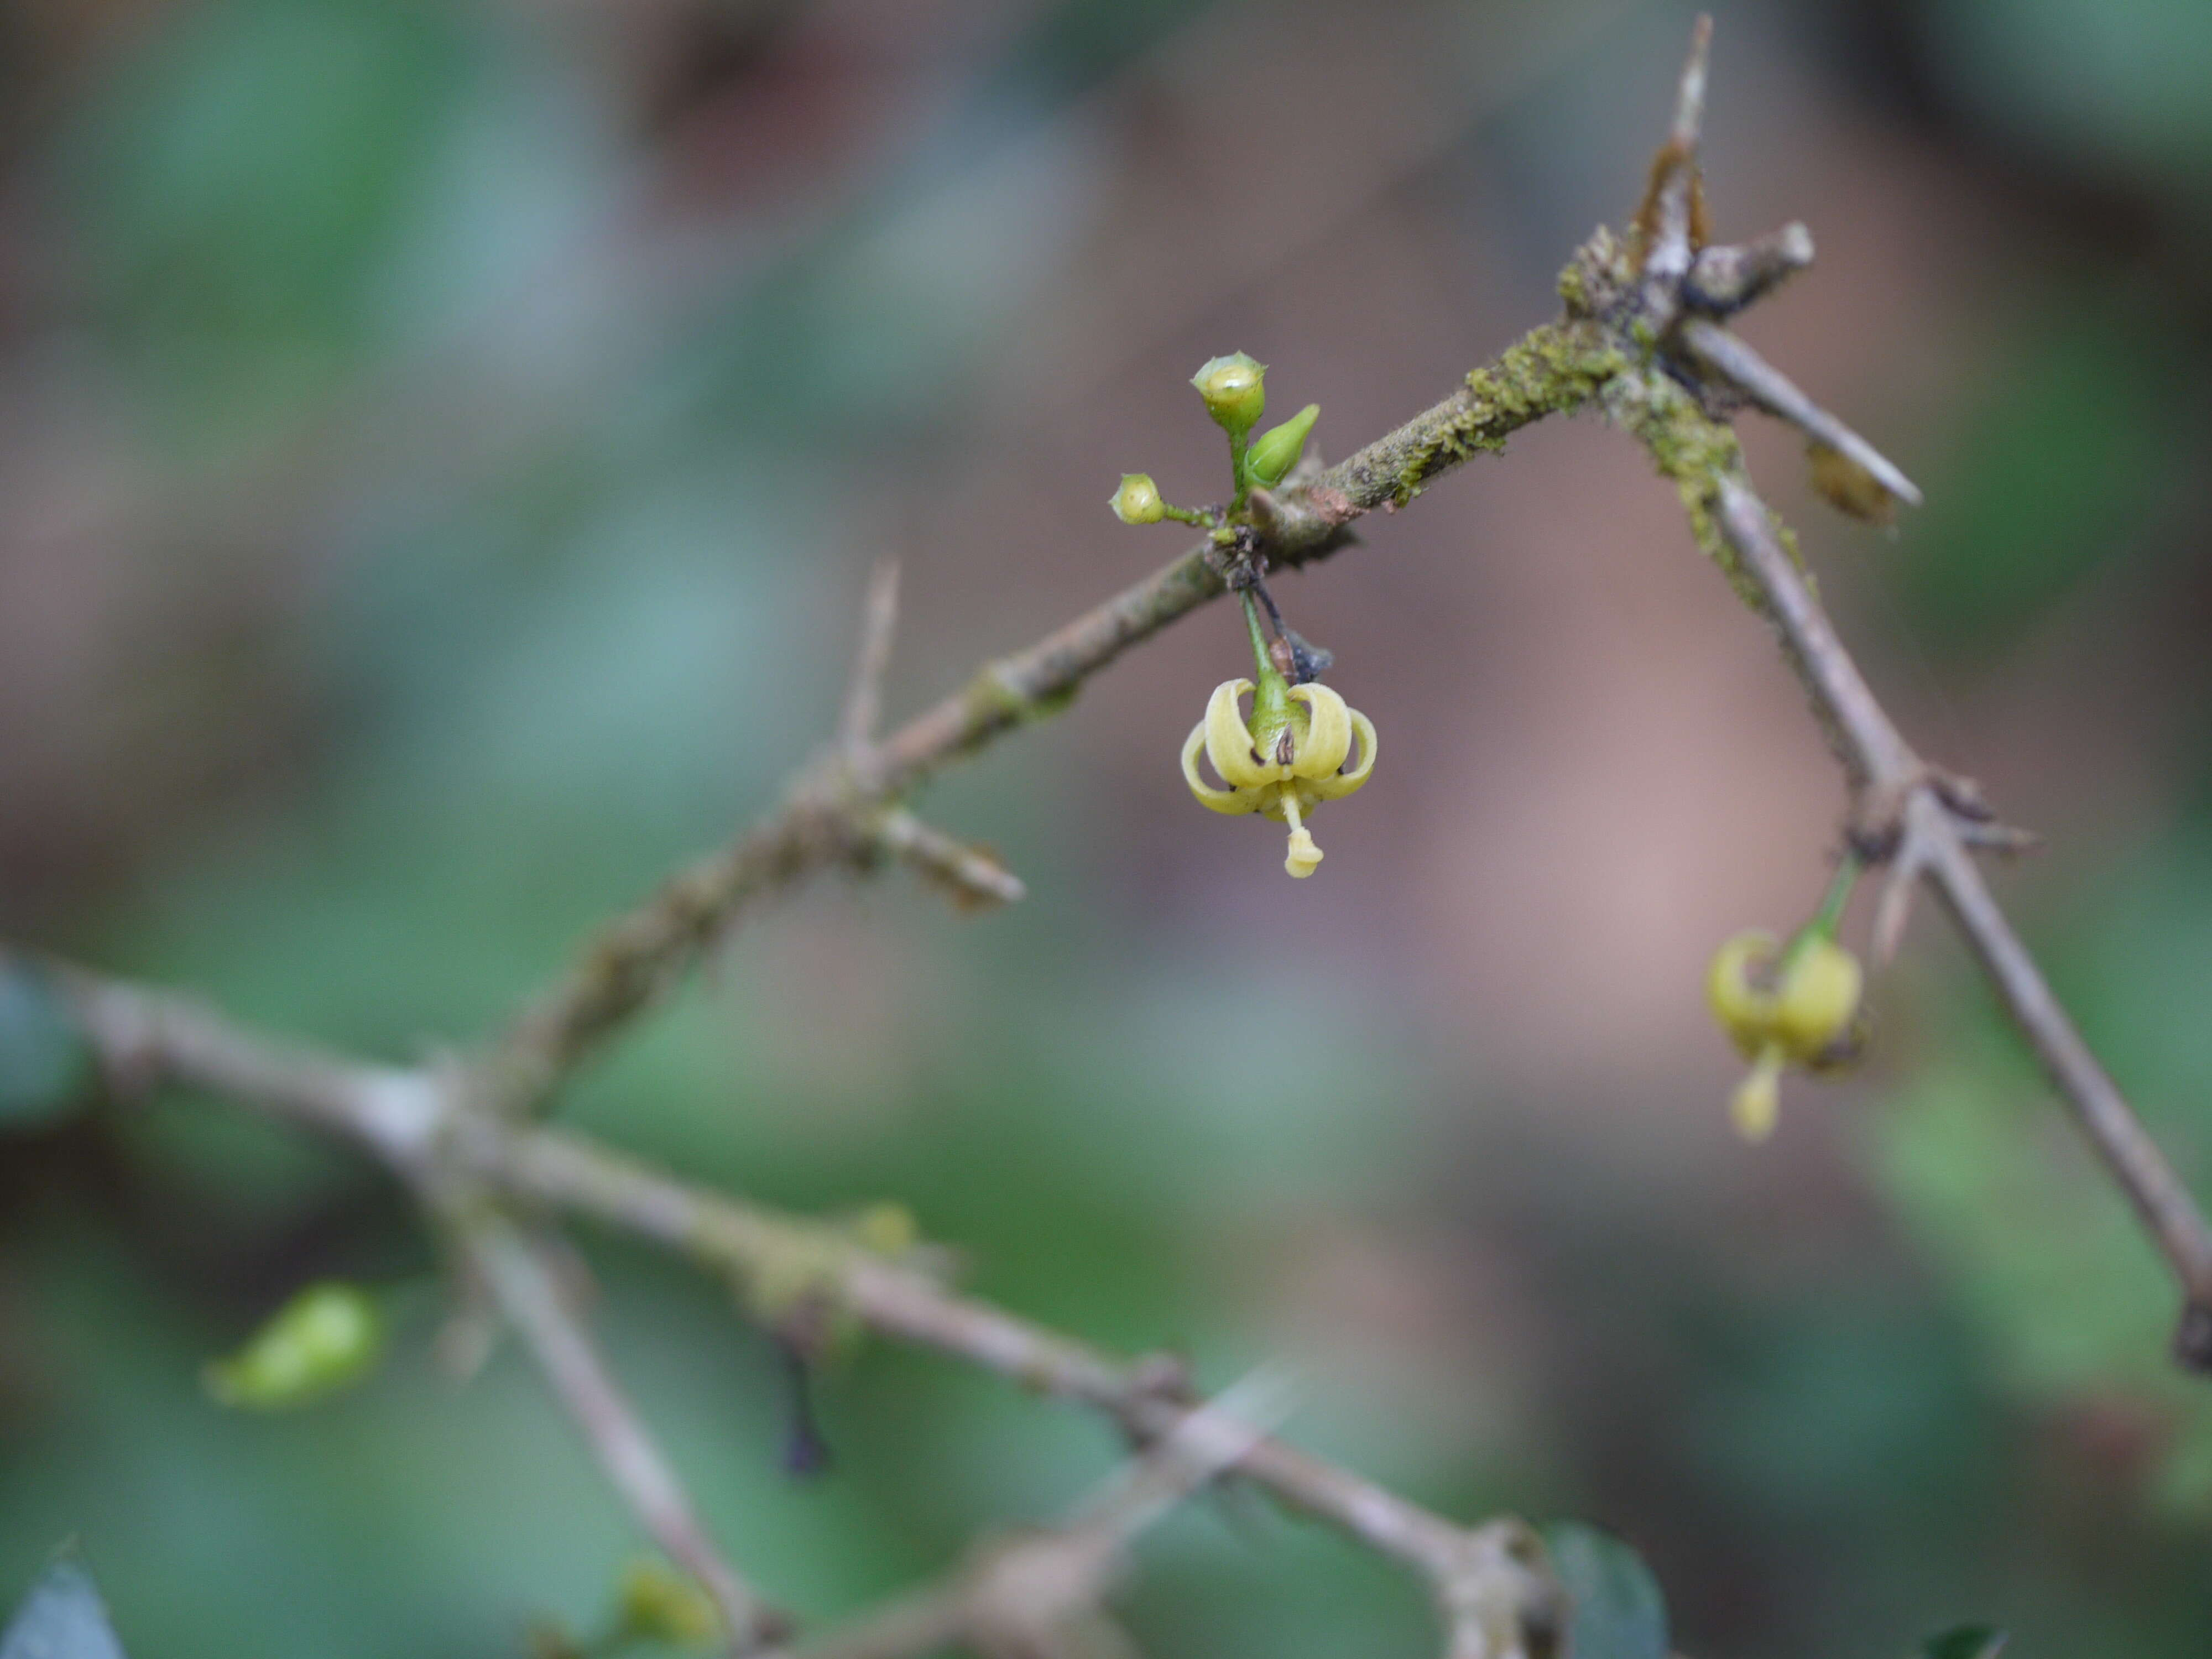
[(1230, 801), (1747, 1011), (1328, 738), (1229, 740), (1336, 787)]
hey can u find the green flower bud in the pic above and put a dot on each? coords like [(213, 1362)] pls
[(1232, 387), (325, 1338), (1276, 451), (1138, 501)]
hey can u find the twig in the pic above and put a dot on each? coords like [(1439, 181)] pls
[(529, 1293), (864, 697), (1910, 814), (632, 960), (895, 1301), (1621, 344), (1039, 1593), (972, 876), (1733, 359), (1494, 1573), (1726, 279)]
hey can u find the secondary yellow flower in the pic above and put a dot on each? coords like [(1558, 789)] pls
[(1283, 760), (1783, 1008)]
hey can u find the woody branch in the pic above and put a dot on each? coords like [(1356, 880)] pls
[(1642, 340)]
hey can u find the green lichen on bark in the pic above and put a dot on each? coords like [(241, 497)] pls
[(1692, 451), (993, 704), (1550, 371)]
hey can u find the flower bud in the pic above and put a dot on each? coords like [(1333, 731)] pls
[(325, 1338), (1276, 451), (1138, 501), (1232, 387)]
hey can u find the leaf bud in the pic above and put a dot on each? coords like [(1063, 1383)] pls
[(325, 1338), (1276, 451)]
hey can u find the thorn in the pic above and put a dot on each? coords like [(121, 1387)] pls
[(1690, 102), (972, 876), (856, 729), (1894, 909), (1734, 362), (1670, 221), (1725, 278)]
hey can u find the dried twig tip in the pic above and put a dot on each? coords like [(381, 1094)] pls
[(1690, 102)]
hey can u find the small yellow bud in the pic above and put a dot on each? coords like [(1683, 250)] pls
[(1818, 999), (1234, 390), (1276, 451), (324, 1337), (665, 1605), (1138, 501)]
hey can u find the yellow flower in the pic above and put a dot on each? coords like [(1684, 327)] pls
[(1797, 1006), (1283, 761)]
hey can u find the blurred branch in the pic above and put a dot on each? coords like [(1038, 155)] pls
[(528, 1292), (431, 1128), (864, 697), (828, 814), (1924, 823), (1640, 338), (1041, 1594)]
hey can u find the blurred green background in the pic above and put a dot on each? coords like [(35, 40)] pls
[(441, 449)]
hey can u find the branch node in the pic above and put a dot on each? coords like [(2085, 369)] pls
[(1498, 1599), (1726, 278)]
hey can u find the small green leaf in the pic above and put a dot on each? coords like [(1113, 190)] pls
[(1619, 1612), (1966, 1642), (43, 1060), (62, 1618), (326, 1338)]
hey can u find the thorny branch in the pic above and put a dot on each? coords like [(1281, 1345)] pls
[(1041, 1594), (527, 1290), (1642, 338), (1490, 1582)]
